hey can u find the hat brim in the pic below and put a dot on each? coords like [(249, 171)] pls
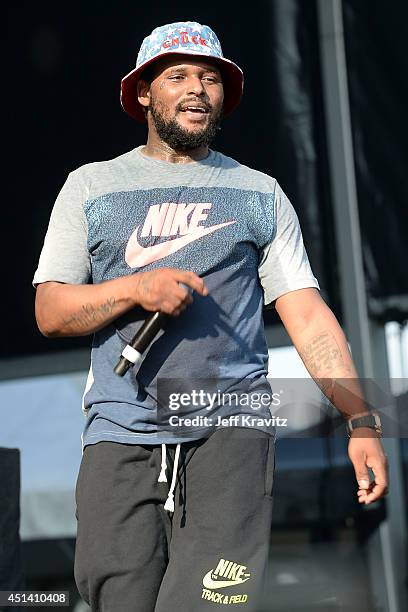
[(232, 76)]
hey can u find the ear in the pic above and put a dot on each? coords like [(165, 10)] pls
[(143, 93)]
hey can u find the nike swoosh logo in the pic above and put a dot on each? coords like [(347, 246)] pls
[(209, 583), (137, 256)]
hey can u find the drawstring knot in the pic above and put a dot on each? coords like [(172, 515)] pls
[(169, 505)]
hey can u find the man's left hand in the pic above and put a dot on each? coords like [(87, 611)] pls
[(365, 451)]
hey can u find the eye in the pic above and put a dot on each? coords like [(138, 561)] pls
[(210, 79), (175, 77)]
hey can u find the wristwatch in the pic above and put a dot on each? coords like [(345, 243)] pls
[(371, 420)]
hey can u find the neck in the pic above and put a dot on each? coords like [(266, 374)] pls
[(158, 149)]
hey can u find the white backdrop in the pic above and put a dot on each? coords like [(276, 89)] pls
[(43, 418)]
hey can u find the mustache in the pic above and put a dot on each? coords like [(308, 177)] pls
[(208, 107)]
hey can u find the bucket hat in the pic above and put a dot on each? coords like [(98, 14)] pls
[(181, 38)]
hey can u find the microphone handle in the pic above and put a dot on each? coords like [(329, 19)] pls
[(150, 328), (132, 353)]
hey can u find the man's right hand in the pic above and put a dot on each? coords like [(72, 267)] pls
[(78, 310), (160, 290)]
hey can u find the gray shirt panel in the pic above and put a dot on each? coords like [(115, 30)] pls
[(64, 256), (284, 265)]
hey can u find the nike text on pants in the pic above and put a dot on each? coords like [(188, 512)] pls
[(133, 556)]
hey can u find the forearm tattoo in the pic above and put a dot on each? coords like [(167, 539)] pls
[(323, 359), (90, 314)]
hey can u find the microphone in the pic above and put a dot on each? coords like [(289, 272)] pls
[(132, 354)]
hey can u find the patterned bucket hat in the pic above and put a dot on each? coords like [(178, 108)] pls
[(186, 38)]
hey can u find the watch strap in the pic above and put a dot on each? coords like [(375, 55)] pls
[(368, 420)]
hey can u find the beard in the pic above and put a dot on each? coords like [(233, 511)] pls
[(178, 137)]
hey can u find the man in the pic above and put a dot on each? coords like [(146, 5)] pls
[(175, 227)]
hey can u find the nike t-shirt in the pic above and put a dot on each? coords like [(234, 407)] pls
[(228, 223)]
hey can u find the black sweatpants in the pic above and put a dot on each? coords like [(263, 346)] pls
[(133, 556)]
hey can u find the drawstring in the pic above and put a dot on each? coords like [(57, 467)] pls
[(162, 476), (169, 505)]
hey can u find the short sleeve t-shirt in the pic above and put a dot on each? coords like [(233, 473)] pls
[(228, 223)]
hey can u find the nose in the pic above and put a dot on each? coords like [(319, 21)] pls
[(195, 86)]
